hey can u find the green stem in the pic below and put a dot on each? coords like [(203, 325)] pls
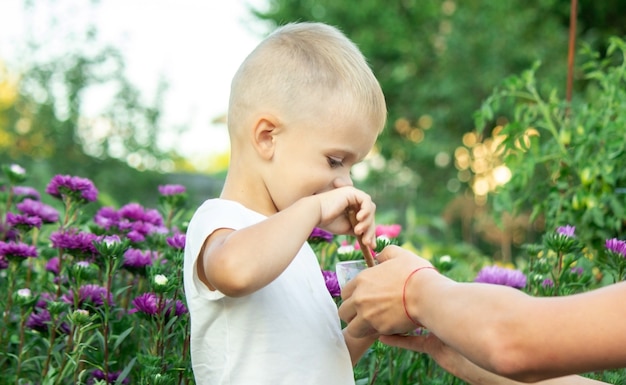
[(7, 310), (52, 338), (545, 111), (21, 347), (68, 349)]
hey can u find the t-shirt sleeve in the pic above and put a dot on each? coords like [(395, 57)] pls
[(210, 216)]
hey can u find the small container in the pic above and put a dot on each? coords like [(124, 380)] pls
[(346, 270)]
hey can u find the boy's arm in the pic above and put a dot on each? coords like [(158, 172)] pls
[(240, 262)]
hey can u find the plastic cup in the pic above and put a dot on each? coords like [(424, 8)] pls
[(346, 270)]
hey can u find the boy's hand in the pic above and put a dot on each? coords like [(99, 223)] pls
[(333, 213)]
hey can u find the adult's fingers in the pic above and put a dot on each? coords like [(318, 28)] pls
[(390, 252), (346, 310), (359, 328)]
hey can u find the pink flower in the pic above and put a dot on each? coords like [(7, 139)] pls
[(389, 231)]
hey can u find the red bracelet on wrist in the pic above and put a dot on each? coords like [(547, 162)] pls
[(404, 291)]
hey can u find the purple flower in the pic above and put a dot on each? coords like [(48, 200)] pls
[(91, 294), (577, 270), (94, 294), (616, 246), (26, 192), (9, 233), (547, 283), (111, 378), (567, 230), (146, 303), (137, 259), (73, 186), (320, 235), (133, 220), (149, 304), (44, 298), (176, 241), (501, 276), (330, 277), (139, 222), (53, 265), (48, 214), (133, 212), (171, 189), (179, 308), (75, 241), (106, 218), (4, 263), (39, 320), (17, 250), (136, 236), (23, 221)]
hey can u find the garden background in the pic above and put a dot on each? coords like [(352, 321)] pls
[(486, 151)]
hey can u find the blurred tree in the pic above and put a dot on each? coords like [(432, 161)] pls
[(436, 61), (45, 126)]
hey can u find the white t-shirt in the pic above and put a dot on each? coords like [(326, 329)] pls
[(288, 332)]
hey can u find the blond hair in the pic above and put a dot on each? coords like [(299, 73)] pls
[(303, 60)]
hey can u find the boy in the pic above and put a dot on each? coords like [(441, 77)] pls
[(304, 108)]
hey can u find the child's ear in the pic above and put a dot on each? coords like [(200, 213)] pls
[(265, 130)]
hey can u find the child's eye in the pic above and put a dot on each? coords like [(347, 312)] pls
[(335, 162)]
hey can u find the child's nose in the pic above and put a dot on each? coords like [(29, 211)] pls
[(343, 181)]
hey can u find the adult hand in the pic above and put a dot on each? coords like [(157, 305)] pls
[(448, 358), (459, 366), (373, 300)]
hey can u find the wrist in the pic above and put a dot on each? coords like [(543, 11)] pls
[(412, 292)]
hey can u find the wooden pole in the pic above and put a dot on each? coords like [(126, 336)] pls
[(571, 51)]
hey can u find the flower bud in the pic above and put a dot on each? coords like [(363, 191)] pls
[(80, 317)]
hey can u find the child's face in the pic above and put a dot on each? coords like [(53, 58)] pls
[(315, 152)]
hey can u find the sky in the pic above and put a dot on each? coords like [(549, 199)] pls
[(195, 45)]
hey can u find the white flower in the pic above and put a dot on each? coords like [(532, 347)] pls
[(445, 259), (160, 280), (383, 238), (346, 249), (17, 169), (24, 293), (111, 240)]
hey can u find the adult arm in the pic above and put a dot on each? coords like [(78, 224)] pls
[(501, 329), (461, 367)]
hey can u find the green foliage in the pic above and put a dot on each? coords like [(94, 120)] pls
[(567, 160), (435, 61), (94, 313)]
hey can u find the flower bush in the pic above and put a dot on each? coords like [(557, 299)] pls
[(90, 300), (97, 299)]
